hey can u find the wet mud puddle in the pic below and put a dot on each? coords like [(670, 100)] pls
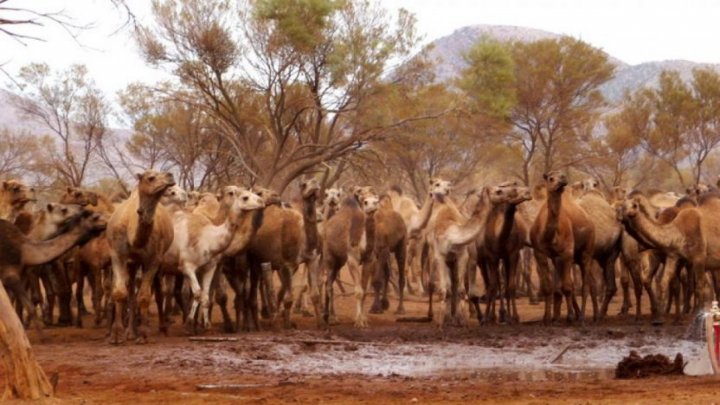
[(523, 360)]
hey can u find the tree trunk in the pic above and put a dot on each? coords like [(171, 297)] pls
[(25, 378)]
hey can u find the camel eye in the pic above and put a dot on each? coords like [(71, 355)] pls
[(246, 198), (151, 178), (64, 210), (498, 192)]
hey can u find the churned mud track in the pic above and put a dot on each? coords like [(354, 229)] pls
[(389, 362)]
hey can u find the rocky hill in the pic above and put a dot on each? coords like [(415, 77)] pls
[(448, 52)]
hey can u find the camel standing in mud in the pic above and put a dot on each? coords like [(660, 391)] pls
[(140, 231), (349, 239), (563, 232), (504, 237)]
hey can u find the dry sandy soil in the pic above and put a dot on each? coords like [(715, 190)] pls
[(390, 362)]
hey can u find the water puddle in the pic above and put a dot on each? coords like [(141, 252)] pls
[(563, 360)]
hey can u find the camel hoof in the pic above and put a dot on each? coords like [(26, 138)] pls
[(265, 313), (400, 311), (307, 314), (376, 308), (385, 304)]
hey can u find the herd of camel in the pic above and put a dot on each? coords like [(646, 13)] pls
[(187, 249)]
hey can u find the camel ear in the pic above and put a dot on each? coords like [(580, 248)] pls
[(6, 186), (545, 176), (139, 176), (69, 190), (93, 197), (50, 207)]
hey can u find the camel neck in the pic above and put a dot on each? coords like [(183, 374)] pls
[(420, 220), (35, 253), (147, 205), (508, 219), (310, 224), (222, 215), (660, 236)]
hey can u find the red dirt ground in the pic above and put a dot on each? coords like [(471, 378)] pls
[(275, 366)]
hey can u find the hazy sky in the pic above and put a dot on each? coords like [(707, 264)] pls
[(634, 31)]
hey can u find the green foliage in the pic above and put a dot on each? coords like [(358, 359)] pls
[(300, 23), (489, 79)]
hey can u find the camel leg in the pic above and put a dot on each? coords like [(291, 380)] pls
[(159, 302), (97, 294), (332, 268), (631, 265), (119, 296), (354, 266), (441, 278), (208, 274), (526, 272), (11, 279), (588, 279), (380, 281), (625, 285), (313, 282), (610, 283), (511, 280), (285, 294), (491, 289), (143, 300), (79, 273), (568, 287), (400, 252), (546, 284), (688, 289), (64, 293), (220, 287), (189, 270)]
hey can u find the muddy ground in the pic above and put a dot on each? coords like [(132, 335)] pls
[(389, 362)]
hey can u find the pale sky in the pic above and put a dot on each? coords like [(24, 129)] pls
[(634, 31)]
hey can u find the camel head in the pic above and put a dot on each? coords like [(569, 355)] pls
[(332, 197), (246, 200), (17, 193), (60, 214), (369, 203), (555, 180), (174, 195), (590, 184), (92, 223), (522, 194), (698, 189), (75, 195), (193, 199), (619, 193), (270, 197), (637, 203), (440, 188), (154, 183), (361, 191), (309, 187)]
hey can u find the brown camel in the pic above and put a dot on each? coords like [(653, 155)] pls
[(504, 237), (140, 230), (278, 241), (390, 238), (349, 239), (563, 232), (45, 223), (13, 197), (92, 260), (17, 251), (608, 230), (687, 237)]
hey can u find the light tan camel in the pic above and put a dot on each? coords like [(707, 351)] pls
[(140, 230)]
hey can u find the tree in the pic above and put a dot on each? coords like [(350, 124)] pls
[(311, 71), (553, 97), (72, 109)]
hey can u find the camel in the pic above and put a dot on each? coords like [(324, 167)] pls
[(140, 230), (449, 236), (608, 230), (19, 251), (92, 260), (415, 221), (279, 241), (199, 242), (174, 199), (688, 236), (331, 202), (390, 238), (505, 235), (44, 224), (563, 232), (349, 239), (13, 197)]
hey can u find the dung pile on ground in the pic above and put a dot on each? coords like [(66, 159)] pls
[(634, 366)]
